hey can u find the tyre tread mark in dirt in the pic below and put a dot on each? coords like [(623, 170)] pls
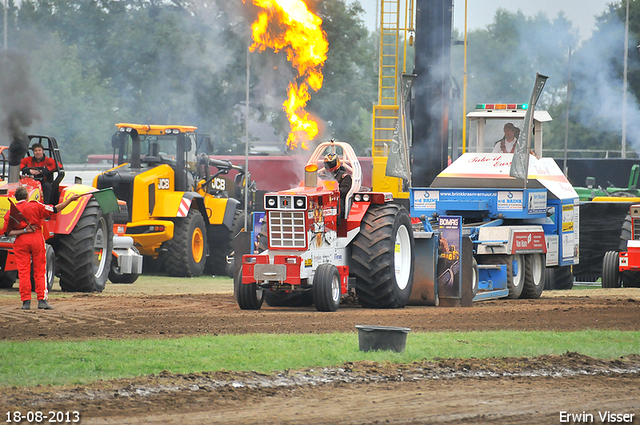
[(373, 257), (75, 252), (178, 258)]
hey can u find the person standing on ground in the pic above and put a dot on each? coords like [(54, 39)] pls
[(29, 244)]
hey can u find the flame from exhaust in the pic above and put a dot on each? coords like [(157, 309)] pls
[(289, 25)]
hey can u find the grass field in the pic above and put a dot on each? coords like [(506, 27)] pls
[(37, 362)]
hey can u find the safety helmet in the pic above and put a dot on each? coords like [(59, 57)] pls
[(331, 162)]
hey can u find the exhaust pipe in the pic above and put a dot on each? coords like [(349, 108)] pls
[(17, 150), (311, 175), (14, 173)]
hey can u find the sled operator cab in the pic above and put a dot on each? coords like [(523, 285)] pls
[(487, 124)]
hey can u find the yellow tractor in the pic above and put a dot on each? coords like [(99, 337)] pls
[(176, 211)]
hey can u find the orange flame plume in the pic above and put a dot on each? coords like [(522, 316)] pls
[(289, 25)]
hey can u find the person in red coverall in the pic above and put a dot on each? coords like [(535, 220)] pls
[(29, 244), (41, 168)]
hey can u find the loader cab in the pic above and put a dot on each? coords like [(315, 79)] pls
[(147, 146), (487, 124)]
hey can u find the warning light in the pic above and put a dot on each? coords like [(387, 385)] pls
[(502, 106)]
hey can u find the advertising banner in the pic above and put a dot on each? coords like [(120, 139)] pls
[(449, 256)]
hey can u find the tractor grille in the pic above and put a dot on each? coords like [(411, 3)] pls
[(287, 229), (636, 228)]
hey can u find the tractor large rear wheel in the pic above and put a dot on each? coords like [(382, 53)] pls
[(84, 255), (185, 253), (382, 257), (625, 233)]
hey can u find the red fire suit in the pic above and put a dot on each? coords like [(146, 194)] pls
[(30, 247)]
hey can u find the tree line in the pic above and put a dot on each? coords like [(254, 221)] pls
[(99, 62)]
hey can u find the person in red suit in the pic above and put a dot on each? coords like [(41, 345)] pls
[(29, 244), (41, 168)]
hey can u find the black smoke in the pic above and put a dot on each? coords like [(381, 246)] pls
[(20, 102)]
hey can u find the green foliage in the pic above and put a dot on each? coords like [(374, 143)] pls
[(81, 362), (101, 62)]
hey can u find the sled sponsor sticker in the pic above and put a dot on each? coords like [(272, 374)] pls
[(567, 218), (537, 202), (509, 200), (425, 199)]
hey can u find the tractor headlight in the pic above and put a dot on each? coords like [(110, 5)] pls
[(357, 198), (271, 201), (299, 202), (365, 198)]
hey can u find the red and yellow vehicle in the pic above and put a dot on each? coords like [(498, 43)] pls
[(79, 238)]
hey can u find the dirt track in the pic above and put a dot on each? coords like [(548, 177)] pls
[(505, 391)]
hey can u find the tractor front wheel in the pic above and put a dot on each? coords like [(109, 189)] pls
[(84, 255), (185, 254), (382, 255), (326, 288), (248, 295), (610, 270)]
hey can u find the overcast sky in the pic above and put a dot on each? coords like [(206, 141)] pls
[(480, 13)]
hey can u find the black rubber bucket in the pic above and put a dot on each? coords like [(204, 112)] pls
[(382, 338)]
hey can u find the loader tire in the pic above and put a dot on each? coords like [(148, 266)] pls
[(185, 253), (534, 275), (221, 246), (84, 255), (382, 257), (248, 295), (625, 233), (7, 279), (326, 288), (610, 270)]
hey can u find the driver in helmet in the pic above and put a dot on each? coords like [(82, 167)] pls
[(335, 170)]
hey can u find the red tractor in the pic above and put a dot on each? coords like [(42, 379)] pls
[(79, 239), (317, 253), (623, 268)]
